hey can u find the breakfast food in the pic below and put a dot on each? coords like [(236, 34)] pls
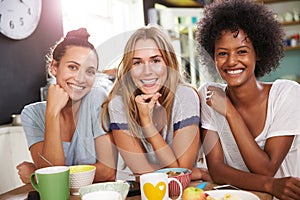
[(193, 193), (173, 173), (226, 197)]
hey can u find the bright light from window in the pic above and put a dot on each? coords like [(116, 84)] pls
[(90, 14), (103, 19)]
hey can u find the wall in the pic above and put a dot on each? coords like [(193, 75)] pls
[(22, 66), (289, 67)]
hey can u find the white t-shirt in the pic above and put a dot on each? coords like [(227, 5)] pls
[(185, 112), (283, 118)]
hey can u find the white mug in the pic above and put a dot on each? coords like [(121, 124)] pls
[(154, 186)]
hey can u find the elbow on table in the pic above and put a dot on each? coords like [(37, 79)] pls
[(105, 175)]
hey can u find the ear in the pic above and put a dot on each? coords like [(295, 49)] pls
[(53, 68)]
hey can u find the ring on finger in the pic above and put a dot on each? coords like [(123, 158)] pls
[(209, 95)]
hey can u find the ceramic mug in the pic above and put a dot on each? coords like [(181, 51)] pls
[(52, 182), (154, 186)]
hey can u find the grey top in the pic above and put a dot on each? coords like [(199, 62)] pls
[(185, 112), (283, 116), (81, 149)]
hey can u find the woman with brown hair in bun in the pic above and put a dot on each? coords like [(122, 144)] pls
[(66, 129)]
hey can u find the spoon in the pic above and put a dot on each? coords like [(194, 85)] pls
[(47, 161)]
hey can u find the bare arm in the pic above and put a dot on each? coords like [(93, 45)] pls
[(282, 188), (132, 152), (51, 148)]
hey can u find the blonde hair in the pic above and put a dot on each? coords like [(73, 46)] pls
[(125, 87)]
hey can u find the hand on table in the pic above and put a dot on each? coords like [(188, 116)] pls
[(201, 173), (286, 188), (25, 169)]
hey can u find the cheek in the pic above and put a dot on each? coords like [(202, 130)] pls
[(136, 72), (90, 79), (161, 71)]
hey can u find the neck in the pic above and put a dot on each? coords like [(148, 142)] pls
[(245, 95)]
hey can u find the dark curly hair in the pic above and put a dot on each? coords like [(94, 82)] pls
[(255, 19)]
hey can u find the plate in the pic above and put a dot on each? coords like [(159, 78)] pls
[(243, 195)]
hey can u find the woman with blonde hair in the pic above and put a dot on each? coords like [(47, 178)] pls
[(153, 113)]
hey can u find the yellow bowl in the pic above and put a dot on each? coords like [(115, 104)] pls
[(81, 175), (81, 168)]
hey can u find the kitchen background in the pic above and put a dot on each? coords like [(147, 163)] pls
[(22, 64), (22, 68)]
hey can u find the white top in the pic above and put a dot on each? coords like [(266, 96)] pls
[(185, 112), (283, 117)]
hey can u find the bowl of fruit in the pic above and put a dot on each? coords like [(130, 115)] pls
[(183, 175)]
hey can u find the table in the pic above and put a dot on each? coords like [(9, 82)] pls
[(21, 193)]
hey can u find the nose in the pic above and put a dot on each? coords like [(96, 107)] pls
[(79, 76), (147, 68), (232, 59)]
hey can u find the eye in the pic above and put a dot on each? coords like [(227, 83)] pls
[(73, 67), (91, 71), (222, 53), (156, 60), (137, 63), (242, 51)]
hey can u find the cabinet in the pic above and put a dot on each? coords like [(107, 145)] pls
[(14, 150), (289, 66), (288, 14)]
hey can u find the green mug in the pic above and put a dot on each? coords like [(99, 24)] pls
[(52, 182)]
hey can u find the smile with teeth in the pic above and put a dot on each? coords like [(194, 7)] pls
[(234, 71), (76, 87), (149, 81)]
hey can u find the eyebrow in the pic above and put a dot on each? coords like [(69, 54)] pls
[(223, 48), (73, 62), (152, 57)]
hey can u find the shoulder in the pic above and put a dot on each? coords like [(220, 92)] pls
[(185, 91), (116, 103), (38, 107), (282, 86), (33, 111)]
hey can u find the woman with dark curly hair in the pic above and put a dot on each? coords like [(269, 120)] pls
[(251, 130)]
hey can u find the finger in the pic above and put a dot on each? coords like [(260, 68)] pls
[(209, 95), (155, 98)]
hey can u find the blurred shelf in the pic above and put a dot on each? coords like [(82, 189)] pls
[(181, 3), (289, 48), (274, 1), (290, 23)]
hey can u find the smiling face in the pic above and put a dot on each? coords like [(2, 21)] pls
[(235, 57), (76, 71), (148, 71)]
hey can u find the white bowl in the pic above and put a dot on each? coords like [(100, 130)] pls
[(120, 186), (103, 195), (81, 175)]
